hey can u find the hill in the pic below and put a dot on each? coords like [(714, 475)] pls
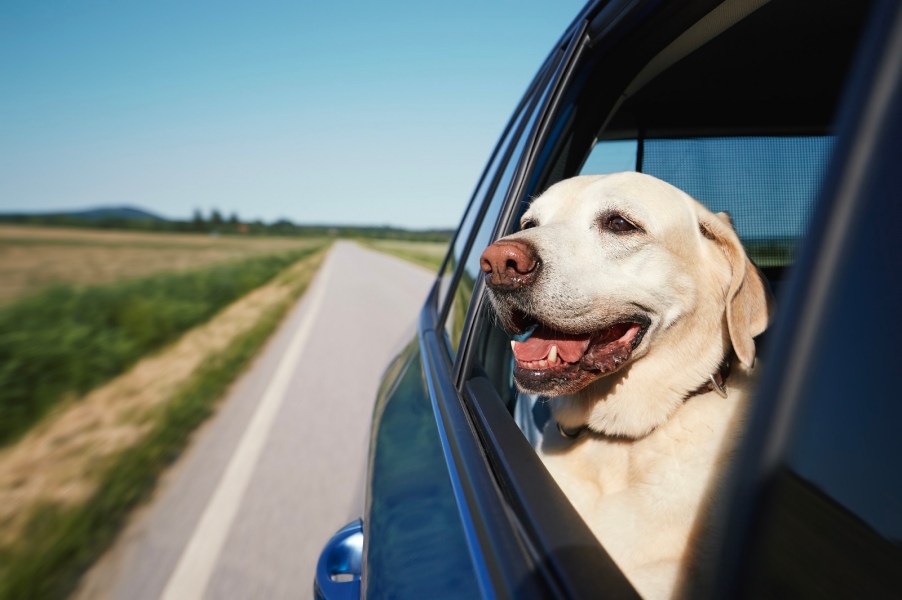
[(114, 212)]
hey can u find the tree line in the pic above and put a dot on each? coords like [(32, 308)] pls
[(215, 223)]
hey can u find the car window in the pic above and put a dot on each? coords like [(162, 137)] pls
[(766, 183), (469, 254), (717, 122)]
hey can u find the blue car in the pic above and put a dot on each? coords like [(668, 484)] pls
[(787, 114)]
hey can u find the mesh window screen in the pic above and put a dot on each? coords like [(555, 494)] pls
[(767, 184)]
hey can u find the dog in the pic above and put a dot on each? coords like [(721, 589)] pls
[(634, 309)]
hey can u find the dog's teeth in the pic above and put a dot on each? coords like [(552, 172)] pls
[(552, 355), (543, 363), (514, 345)]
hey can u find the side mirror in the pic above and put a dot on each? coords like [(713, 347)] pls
[(339, 566)]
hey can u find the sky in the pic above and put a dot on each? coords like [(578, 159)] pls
[(357, 112)]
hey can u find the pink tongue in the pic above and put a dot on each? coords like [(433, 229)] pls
[(569, 347)]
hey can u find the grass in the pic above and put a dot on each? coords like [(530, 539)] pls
[(66, 340), (60, 543), (426, 254)]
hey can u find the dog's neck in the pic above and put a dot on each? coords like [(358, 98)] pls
[(716, 382)]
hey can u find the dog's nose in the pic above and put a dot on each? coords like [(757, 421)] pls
[(509, 264)]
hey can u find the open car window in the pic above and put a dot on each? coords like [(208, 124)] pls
[(767, 184), (743, 129)]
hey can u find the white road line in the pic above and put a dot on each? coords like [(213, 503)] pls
[(192, 573)]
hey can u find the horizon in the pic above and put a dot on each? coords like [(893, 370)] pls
[(153, 215)]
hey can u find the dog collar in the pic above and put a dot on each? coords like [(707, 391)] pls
[(716, 383), (572, 433)]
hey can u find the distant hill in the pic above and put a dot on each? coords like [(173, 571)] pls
[(101, 213), (129, 213)]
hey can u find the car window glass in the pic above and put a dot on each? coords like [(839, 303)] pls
[(767, 184), (611, 156), (460, 303)]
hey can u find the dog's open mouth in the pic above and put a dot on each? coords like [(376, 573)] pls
[(554, 362)]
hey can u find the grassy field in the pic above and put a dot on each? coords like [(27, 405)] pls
[(65, 340), (68, 485), (34, 258), (426, 254)]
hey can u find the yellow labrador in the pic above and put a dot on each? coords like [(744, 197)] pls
[(635, 309)]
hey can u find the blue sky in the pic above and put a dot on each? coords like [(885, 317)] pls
[(321, 112)]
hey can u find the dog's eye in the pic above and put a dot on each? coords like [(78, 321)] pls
[(528, 224), (618, 224)]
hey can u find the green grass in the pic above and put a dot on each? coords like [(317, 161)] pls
[(772, 252), (68, 340), (426, 254), (61, 543)]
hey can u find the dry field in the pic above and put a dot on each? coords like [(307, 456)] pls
[(33, 258)]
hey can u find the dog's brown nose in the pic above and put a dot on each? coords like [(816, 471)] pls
[(509, 264)]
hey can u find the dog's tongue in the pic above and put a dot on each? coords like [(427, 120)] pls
[(570, 348)]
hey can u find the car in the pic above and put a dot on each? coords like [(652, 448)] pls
[(788, 115)]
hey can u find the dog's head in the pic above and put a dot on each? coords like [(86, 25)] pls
[(610, 271)]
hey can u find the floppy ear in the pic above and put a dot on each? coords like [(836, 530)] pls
[(749, 299)]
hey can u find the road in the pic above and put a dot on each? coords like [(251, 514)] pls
[(266, 481)]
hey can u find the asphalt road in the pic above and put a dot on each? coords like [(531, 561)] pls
[(281, 466)]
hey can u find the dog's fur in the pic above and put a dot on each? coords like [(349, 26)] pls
[(655, 443)]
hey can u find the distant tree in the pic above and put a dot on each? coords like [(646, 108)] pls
[(197, 221), (216, 219)]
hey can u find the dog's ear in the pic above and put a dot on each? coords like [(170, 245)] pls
[(749, 299)]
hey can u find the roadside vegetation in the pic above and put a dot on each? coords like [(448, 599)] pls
[(68, 485), (66, 340), (429, 255), (114, 346)]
